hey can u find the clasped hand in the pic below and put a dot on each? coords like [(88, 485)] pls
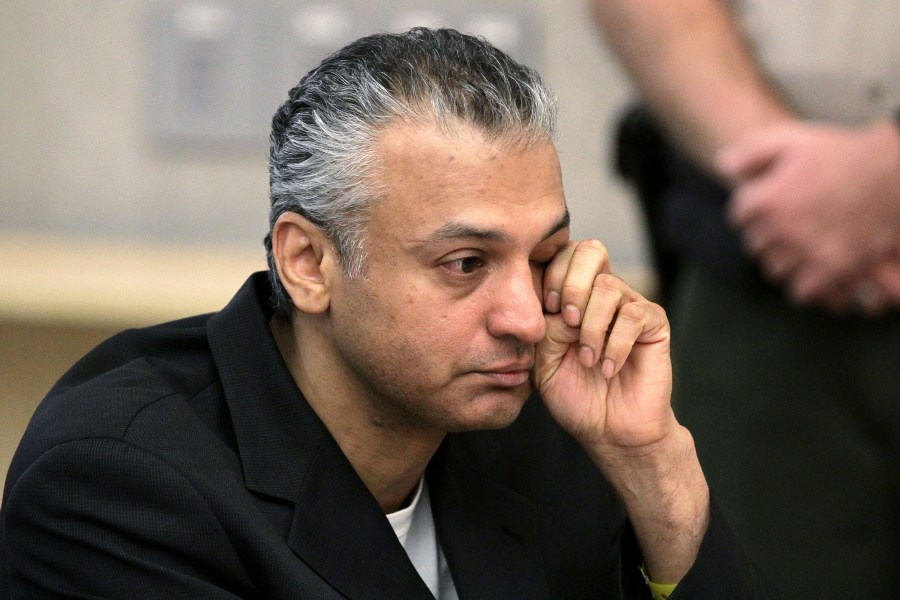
[(819, 207)]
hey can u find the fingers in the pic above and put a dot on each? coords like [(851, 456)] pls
[(638, 321), (753, 200), (616, 318), (887, 276), (604, 317), (778, 264), (569, 278), (869, 294), (877, 291), (807, 285), (608, 295)]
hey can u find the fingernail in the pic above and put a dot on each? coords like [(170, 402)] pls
[(552, 302), (571, 315), (586, 356), (609, 367)]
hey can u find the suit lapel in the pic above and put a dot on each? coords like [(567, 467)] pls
[(489, 533), (340, 531), (286, 452)]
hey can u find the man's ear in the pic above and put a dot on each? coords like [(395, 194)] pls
[(305, 259)]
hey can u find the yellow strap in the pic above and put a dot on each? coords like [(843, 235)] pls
[(660, 591)]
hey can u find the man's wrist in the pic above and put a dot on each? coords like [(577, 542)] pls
[(666, 498)]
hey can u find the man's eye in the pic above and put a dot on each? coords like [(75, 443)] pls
[(464, 266)]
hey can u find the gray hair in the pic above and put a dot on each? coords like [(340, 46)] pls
[(321, 158)]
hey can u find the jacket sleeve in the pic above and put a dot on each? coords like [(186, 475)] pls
[(722, 568), (101, 518)]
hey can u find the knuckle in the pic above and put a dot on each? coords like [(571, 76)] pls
[(571, 290), (660, 311), (591, 247), (633, 312), (607, 282)]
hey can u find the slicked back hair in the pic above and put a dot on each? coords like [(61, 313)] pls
[(321, 160)]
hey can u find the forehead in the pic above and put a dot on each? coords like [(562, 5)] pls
[(429, 176)]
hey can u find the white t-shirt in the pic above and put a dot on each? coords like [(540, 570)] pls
[(414, 526)]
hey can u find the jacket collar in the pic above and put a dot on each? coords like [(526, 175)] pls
[(277, 431), (487, 532)]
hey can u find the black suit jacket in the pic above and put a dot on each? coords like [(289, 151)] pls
[(181, 461)]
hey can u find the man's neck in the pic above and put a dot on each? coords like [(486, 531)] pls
[(388, 456)]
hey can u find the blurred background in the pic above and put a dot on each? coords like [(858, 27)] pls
[(133, 141)]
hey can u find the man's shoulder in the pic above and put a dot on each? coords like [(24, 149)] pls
[(105, 392), (169, 352)]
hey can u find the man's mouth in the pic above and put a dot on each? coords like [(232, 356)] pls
[(509, 374)]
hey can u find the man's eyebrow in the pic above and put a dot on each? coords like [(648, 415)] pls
[(455, 230), (559, 225)]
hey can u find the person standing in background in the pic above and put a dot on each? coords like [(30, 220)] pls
[(768, 159)]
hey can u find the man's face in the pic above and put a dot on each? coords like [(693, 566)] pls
[(439, 332)]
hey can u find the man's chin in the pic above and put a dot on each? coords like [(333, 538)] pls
[(494, 410)]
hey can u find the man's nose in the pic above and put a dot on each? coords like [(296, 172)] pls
[(517, 309)]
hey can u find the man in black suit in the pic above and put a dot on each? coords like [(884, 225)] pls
[(433, 392)]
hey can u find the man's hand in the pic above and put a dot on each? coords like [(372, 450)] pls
[(604, 372), (603, 367), (819, 207)]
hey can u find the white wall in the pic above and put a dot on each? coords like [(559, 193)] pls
[(76, 156)]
